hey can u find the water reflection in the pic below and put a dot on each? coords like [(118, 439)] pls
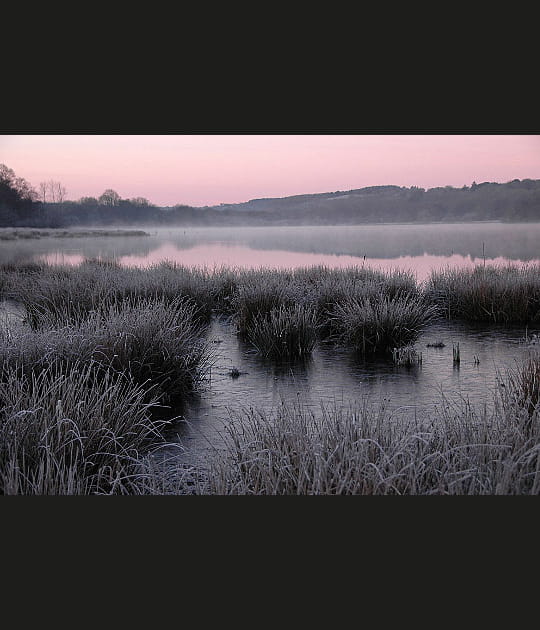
[(416, 248)]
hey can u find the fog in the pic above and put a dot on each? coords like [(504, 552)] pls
[(418, 244)]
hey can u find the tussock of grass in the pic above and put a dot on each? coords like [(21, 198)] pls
[(380, 325), (498, 294), (253, 301), (285, 332)]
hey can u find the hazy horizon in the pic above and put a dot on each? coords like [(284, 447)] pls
[(207, 170)]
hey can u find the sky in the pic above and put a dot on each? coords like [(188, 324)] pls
[(206, 169)]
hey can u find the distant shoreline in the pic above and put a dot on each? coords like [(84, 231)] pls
[(22, 233)]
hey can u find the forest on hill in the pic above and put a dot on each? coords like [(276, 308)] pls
[(21, 205)]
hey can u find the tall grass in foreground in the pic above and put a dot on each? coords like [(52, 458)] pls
[(368, 451), (64, 431), (498, 294)]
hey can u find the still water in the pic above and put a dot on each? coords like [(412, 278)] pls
[(418, 248), (332, 376)]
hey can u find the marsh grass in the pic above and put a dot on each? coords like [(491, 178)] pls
[(524, 385), (498, 294), (369, 450), (285, 332), (369, 325), (63, 431), (154, 341)]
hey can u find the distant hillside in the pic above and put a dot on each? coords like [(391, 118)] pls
[(518, 200)]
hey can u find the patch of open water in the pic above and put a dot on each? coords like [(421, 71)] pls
[(335, 376)]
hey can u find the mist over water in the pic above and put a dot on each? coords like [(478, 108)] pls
[(419, 248)]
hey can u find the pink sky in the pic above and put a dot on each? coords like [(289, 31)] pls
[(203, 170)]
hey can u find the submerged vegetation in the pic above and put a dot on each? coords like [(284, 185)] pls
[(86, 378)]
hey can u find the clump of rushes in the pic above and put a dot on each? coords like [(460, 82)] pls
[(65, 432), (497, 294), (157, 343), (335, 288), (370, 325), (285, 332), (252, 301)]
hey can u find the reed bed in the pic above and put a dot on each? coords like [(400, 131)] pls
[(65, 432), (503, 294), (368, 450)]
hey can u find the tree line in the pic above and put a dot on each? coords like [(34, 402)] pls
[(47, 206)]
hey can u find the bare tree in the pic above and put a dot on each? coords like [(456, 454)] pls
[(109, 198), (43, 188), (57, 192)]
